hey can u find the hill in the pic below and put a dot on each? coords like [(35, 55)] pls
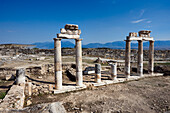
[(114, 45)]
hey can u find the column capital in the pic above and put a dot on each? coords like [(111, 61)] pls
[(140, 40), (152, 41), (78, 39), (127, 40), (57, 38)]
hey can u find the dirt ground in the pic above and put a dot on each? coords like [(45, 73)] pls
[(149, 95)]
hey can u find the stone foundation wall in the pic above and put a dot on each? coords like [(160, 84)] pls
[(14, 98)]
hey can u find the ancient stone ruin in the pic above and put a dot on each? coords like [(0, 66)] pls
[(25, 86), (69, 32), (144, 35)]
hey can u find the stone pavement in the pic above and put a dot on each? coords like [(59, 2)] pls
[(103, 82)]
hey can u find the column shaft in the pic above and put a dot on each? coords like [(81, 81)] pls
[(57, 63), (114, 71), (98, 73), (79, 75), (127, 59), (140, 58), (151, 57), (20, 76)]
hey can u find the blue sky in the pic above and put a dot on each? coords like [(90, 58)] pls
[(101, 21)]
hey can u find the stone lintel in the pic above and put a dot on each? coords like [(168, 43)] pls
[(66, 36), (147, 39), (139, 38)]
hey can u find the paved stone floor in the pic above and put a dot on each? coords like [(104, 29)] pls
[(120, 79)]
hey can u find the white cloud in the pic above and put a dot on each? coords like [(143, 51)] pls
[(138, 21)]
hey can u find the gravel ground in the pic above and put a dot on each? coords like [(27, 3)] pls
[(149, 95)]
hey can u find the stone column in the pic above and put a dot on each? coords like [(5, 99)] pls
[(127, 59), (79, 75), (98, 73), (57, 63), (20, 76), (114, 71), (151, 57), (140, 58)]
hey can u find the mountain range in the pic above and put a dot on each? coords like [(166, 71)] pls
[(114, 45)]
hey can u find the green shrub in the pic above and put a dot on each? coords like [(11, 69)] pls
[(2, 95)]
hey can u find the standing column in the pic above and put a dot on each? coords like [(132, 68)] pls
[(140, 58), (57, 63), (114, 71), (98, 73), (151, 57), (79, 75), (127, 59)]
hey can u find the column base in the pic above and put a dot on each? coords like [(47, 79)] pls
[(140, 74), (98, 78), (151, 73), (127, 76), (58, 84), (79, 79)]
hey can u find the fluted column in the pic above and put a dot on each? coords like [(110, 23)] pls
[(151, 57), (127, 59), (58, 63), (79, 75), (140, 58)]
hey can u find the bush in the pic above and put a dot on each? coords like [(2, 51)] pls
[(2, 95)]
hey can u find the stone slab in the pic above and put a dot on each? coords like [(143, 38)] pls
[(54, 107), (69, 89), (67, 36), (14, 98), (140, 38), (103, 82)]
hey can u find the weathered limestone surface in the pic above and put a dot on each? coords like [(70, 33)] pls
[(140, 58), (71, 73), (114, 71), (58, 63), (20, 76), (70, 31), (14, 98), (133, 34), (98, 73), (127, 59), (28, 88), (67, 36), (55, 107), (144, 33), (79, 74), (151, 57)]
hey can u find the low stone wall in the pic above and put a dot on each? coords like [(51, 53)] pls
[(55, 107), (14, 98)]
